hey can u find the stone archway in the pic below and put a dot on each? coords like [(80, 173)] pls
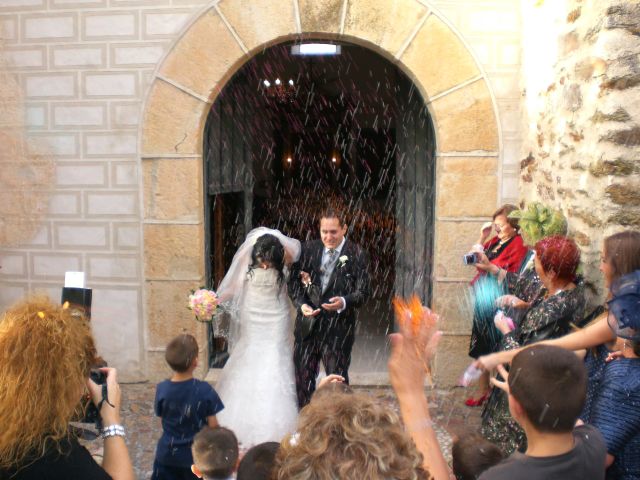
[(222, 38)]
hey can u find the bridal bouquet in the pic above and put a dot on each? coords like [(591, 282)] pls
[(204, 304)]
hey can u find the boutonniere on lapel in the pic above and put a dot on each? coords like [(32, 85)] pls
[(342, 261)]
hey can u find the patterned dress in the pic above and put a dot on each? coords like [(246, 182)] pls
[(526, 285), (612, 406), (548, 317)]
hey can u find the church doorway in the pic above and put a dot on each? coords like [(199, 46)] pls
[(291, 133)]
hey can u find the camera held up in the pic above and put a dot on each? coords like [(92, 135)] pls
[(92, 415), (471, 258), (78, 298)]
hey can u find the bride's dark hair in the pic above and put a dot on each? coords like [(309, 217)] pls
[(268, 249)]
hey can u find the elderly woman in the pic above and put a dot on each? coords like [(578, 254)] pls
[(536, 222), (522, 287), (45, 357), (505, 250), (559, 304)]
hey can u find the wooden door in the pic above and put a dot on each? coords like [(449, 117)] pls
[(228, 178), (228, 191), (415, 195)]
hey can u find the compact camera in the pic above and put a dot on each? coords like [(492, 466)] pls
[(471, 258), (92, 415)]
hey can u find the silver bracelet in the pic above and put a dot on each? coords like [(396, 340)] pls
[(114, 430)]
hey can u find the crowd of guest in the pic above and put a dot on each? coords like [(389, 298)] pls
[(542, 302), (563, 403)]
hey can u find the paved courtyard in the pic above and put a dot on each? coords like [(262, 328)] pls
[(143, 428)]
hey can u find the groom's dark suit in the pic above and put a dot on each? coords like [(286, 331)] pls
[(332, 335)]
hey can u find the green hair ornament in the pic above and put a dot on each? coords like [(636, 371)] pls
[(539, 221)]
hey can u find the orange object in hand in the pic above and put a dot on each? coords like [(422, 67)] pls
[(409, 310)]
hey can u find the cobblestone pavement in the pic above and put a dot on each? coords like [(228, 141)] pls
[(143, 428)]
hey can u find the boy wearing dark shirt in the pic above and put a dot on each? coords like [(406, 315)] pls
[(547, 388), (185, 405)]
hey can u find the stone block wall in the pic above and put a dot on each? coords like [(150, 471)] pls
[(131, 219), (581, 151), (82, 69)]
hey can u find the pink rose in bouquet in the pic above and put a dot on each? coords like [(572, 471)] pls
[(204, 304)]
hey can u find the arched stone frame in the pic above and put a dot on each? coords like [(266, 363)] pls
[(218, 41)]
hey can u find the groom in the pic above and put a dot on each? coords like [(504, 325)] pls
[(327, 284)]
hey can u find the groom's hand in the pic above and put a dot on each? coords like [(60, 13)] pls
[(306, 278), (307, 311), (335, 304)]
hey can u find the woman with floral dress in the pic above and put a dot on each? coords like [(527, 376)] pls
[(550, 314)]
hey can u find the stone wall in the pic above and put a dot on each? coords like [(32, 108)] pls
[(130, 219), (582, 117), (82, 69)]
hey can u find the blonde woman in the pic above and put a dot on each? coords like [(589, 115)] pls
[(45, 358), (348, 435)]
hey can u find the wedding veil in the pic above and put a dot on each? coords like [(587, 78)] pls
[(231, 287)]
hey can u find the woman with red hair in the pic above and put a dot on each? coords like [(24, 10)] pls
[(559, 304)]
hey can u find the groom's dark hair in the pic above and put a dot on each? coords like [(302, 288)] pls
[(331, 212)]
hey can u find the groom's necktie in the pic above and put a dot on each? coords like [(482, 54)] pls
[(328, 266)]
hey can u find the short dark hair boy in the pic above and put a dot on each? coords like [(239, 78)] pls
[(547, 389), (185, 404), (215, 453), (472, 454), (181, 352), (259, 461)]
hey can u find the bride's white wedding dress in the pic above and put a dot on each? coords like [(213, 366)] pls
[(257, 385)]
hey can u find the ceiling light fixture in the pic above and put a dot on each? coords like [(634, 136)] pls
[(316, 49)]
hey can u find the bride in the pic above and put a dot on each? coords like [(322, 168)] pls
[(257, 384)]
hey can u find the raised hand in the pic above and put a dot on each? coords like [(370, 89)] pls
[(412, 350), (485, 232), (333, 378)]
